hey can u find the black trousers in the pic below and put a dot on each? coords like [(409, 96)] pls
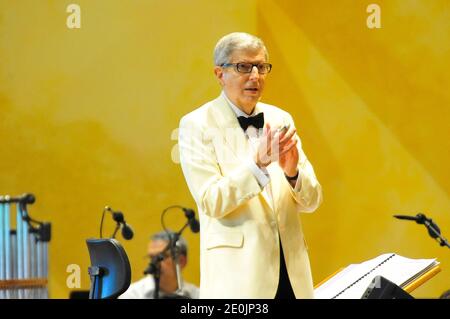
[(284, 290)]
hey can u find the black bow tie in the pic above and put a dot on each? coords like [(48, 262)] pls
[(257, 121)]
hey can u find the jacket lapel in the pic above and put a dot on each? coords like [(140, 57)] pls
[(235, 137)]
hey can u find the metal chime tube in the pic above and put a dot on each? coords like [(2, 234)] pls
[(2, 248), (23, 253), (5, 251), (13, 251), (20, 249), (26, 252), (45, 266), (32, 253)]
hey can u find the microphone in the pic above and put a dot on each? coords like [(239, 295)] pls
[(193, 223), (433, 229), (24, 199), (422, 219), (27, 198), (406, 217), (127, 231)]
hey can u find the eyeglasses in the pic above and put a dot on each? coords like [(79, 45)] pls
[(160, 256), (242, 67)]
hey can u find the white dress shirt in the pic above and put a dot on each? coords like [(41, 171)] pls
[(253, 135), (145, 289)]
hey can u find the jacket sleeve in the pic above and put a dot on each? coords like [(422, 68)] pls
[(307, 192), (216, 194)]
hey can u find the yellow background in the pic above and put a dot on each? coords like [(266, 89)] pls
[(87, 118)]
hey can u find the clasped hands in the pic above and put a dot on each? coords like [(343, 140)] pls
[(275, 145)]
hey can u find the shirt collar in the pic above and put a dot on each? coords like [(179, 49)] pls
[(237, 110)]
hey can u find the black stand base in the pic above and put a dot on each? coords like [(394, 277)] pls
[(381, 288)]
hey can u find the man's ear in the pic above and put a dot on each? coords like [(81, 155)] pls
[(218, 72), (183, 261)]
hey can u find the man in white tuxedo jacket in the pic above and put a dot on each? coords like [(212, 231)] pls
[(245, 167)]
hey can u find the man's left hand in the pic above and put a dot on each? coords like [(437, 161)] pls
[(288, 156)]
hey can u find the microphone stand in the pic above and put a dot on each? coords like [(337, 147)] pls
[(155, 265), (433, 229), (175, 257), (174, 249), (154, 269), (115, 230)]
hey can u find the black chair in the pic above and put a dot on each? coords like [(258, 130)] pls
[(110, 269)]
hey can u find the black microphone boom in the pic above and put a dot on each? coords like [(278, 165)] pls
[(118, 217), (433, 229), (26, 198), (173, 245), (406, 217), (127, 231)]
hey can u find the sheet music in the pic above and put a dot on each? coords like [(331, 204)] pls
[(352, 281)]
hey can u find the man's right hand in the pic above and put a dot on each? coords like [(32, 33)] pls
[(262, 156), (270, 148)]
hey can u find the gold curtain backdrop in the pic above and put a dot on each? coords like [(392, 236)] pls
[(87, 118)]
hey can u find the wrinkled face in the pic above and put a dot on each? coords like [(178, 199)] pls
[(168, 279), (243, 89), (154, 248), (167, 264)]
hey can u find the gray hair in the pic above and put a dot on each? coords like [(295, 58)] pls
[(236, 41), (166, 236)]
